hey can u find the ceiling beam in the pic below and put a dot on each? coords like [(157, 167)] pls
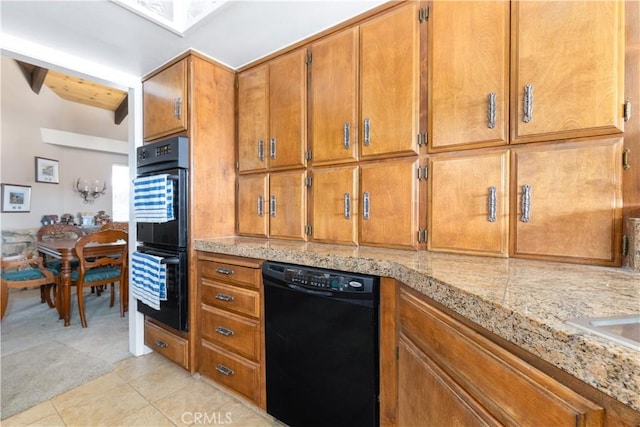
[(121, 112), (35, 75)]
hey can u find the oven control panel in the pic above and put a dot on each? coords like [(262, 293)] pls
[(168, 153), (327, 280)]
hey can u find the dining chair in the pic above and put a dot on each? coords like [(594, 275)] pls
[(23, 272), (56, 232), (103, 270), (124, 226)]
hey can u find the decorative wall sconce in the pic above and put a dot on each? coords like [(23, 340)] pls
[(90, 189)]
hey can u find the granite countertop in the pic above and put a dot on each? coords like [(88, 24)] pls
[(523, 301)]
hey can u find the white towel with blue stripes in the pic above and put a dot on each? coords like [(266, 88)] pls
[(153, 198), (149, 279)]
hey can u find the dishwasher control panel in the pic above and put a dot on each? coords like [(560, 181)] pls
[(324, 280)]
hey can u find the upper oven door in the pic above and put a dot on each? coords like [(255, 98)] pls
[(171, 234)]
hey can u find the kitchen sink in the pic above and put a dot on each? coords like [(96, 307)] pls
[(624, 330)]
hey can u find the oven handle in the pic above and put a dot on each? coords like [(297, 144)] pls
[(173, 177), (171, 261)]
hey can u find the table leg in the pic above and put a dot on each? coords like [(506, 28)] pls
[(65, 292)]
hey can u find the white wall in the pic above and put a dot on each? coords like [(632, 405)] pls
[(23, 114)]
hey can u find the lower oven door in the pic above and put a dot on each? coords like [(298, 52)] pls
[(174, 311)]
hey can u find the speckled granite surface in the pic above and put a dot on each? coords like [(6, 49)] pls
[(526, 302)]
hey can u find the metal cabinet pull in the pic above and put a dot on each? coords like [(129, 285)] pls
[(492, 204), (627, 110), (225, 271), (224, 297), (161, 344), (366, 131), (272, 148), (526, 203), (528, 103), (491, 113), (261, 150), (626, 159), (177, 108), (224, 370), (224, 331), (346, 135), (272, 205), (347, 206), (260, 206), (365, 205)]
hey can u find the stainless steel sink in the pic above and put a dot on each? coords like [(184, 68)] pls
[(624, 330)]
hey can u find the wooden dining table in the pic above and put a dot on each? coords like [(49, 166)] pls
[(64, 250)]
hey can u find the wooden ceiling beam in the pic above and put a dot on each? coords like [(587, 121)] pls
[(121, 112), (35, 75)]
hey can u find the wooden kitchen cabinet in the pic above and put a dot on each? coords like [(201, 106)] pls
[(568, 200), (165, 102), (568, 71), (253, 205), (468, 206), (288, 205), (288, 110), (334, 205), (272, 114), (253, 119), (389, 83), (388, 203), (468, 74), (334, 98), (231, 348), (471, 380)]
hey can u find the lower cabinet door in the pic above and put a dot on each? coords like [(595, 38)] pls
[(235, 372)]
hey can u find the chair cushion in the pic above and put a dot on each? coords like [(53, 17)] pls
[(57, 264), (97, 274), (24, 275)]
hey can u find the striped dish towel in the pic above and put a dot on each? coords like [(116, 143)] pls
[(153, 198), (149, 279)]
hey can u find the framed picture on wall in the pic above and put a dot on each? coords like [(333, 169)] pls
[(16, 198), (47, 170)]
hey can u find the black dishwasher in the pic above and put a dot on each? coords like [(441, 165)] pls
[(321, 341)]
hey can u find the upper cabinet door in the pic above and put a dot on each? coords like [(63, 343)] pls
[(568, 69), (287, 110), (334, 98), (389, 83), (165, 102), (468, 74), (253, 119)]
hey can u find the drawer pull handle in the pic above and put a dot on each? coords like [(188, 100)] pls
[(367, 132), (347, 205), (161, 344), (224, 297), (224, 370), (528, 103), (491, 113), (365, 205), (224, 331), (526, 203), (225, 271), (492, 204), (261, 150), (346, 135)]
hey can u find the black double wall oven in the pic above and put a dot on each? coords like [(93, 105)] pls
[(168, 240)]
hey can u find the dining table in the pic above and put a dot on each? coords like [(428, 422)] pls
[(64, 250)]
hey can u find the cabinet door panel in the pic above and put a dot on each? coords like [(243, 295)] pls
[(572, 53), (334, 98), (288, 205), (448, 403), (469, 203), (335, 205), (253, 119), (253, 205), (287, 109), (572, 210), (468, 60), (388, 203), (389, 83), (161, 95)]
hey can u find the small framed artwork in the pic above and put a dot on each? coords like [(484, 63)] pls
[(16, 198), (47, 170)]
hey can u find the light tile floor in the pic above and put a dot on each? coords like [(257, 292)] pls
[(144, 391)]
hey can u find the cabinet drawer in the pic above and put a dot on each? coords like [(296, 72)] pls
[(509, 388), (245, 276), (169, 345), (236, 333), (235, 372), (232, 298)]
